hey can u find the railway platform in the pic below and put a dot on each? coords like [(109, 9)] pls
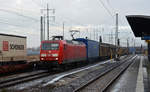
[(135, 79)]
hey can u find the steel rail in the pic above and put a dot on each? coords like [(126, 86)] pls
[(22, 79), (108, 70)]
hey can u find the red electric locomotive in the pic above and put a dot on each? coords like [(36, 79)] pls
[(62, 51)]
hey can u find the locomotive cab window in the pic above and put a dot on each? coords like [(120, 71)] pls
[(50, 46)]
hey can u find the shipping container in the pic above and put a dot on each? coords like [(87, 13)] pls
[(12, 48), (107, 50), (92, 48)]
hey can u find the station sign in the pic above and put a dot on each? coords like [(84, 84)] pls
[(145, 38)]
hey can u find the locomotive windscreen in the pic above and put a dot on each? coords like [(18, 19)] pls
[(50, 46)]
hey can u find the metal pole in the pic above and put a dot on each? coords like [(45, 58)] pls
[(116, 37), (103, 37), (47, 22), (97, 34), (41, 28), (90, 35), (87, 32), (111, 38), (44, 27), (63, 32), (94, 34), (128, 45)]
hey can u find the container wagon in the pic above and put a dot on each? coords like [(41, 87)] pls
[(92, 48), (106, 51), (12, 51)]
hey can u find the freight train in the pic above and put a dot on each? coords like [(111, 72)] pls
[(12, 53), (61, 52)]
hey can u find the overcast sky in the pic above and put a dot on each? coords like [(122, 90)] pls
[(22, 17)]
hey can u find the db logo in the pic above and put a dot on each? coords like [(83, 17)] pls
[(5, 46)]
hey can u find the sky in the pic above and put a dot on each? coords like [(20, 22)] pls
[(93, 18)]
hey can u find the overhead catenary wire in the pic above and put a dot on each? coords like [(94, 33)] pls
[(2, 22), (121, 22), (14, 25), (67, 19), (109, 12), (28, 17), (39, 5), (18, 14), (112, 8), (6, 22)]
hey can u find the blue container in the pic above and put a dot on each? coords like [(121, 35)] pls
[(92, 48), (132, 50)]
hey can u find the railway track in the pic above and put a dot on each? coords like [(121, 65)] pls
[(11, 81), (8, 82), (103, 81)]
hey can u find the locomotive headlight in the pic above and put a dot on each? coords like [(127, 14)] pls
[(43, 55), (55, 55)]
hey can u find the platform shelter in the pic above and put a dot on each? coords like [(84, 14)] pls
[(140, 25)]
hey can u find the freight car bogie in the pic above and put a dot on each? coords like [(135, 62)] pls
[(54, 66), (13, 62)]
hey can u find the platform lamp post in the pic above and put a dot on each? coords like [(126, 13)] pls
[(128, 45), (116, 38)]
